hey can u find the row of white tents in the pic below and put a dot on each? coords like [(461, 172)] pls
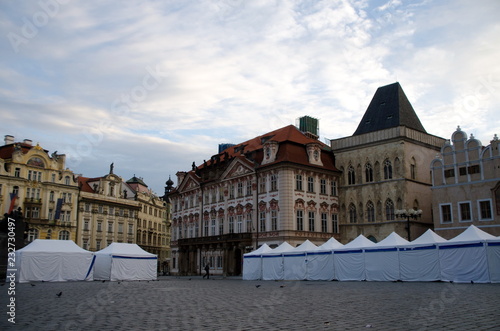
[(472, 256), (63, 260)]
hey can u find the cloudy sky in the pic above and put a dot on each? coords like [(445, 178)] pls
[(154, 85)]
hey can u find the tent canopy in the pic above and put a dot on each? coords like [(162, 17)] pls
[(331, 244), (392, 240), (124, 249), (429, 237), (53, 246), (261, 250), (472, 233)]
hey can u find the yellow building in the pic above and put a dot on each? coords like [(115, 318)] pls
[(42, 186), (152, 226), (108, 212)]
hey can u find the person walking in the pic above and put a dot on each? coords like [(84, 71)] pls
[(207, 272)]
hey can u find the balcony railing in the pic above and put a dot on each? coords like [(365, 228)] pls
[(230, 237)]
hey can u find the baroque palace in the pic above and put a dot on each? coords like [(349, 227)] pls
[(285, 185)]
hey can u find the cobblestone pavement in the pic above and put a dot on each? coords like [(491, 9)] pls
[(191, 303)]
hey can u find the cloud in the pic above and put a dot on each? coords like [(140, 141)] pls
[(228, 70)]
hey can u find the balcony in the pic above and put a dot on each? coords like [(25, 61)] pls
[(230, 237)]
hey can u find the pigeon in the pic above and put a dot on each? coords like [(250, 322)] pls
[(257, 286), (103, 281), (59, 294), (326, 323), (282, 286), (33, 285)]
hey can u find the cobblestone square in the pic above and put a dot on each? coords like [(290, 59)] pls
[(191, 303)]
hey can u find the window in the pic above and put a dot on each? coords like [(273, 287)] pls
[(32, 235), (66, 180), (17, 172), (221, 194), (53, 178), (99, 226), (322, 186), (464, 209), (240, 190), (262, 221), (120, 227), (300, 220), (86, 225), (310, 184), (449, 173), (335, 223), (87, 205), (212, 228), (370, 212), (413, 170), (35, 212), (445, 213), (311, 221), (110, 227), (324, 222), (98, 245), (334, 187), (249, 188), (474, 169), (239, 224), (64, 235), (249, 222), (130, 228), (100, 209), (298, 182), (231, 224), (389, 210), (352, 214), (221, 225), (205, 228), (351, 176), (274, 220), (368, 173), (485, 213), (274, 182), (387, 169), (85, 244), (231, 191)]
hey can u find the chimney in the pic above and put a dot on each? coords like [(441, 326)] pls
[(28, 142), (9, 139)]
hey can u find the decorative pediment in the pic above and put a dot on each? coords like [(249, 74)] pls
[(237, 169), (189, 183)]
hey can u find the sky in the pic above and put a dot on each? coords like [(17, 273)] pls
[(155, 85)]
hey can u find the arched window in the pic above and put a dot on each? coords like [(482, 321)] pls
[(368, 173), (351, 176), (389, 210), (387, 169), (413, 168), (352, 214), (64, 235), (370, 212)]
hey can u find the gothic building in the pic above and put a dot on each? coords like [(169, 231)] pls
[(280, 186), (385, 169), (466, 186)]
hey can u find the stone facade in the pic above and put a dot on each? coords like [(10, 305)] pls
[(277, 187), (384, 171), (40, 184), (466, 186)]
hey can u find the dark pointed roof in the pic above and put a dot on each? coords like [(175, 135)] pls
[(389, 108), (136, 180)]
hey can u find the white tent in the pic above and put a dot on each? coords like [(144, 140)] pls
[(419, 260), (320, 264), (464, 259), (349, 260), (252, 263), (382, 261), (53, 261), (272, 262), (295, 261), (122, 261)]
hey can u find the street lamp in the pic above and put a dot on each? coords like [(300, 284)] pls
[(410, 213)]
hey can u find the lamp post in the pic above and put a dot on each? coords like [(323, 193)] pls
[(408, 214)]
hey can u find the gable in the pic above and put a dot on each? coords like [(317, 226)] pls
[(237, 168)]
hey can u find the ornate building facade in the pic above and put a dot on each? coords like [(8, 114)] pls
[(42, 186), (281, 186), (466, 186), (108, 212), (385, 168), (152, 224)]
